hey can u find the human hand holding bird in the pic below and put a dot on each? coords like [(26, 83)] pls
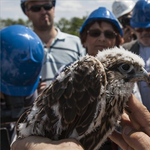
[(86, 100)]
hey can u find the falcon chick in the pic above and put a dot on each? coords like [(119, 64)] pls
[(86, 100)]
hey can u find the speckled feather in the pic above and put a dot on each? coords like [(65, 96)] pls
[(84, 102)]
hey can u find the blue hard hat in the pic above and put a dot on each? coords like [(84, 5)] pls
[(21, 60), (102, 14), (23, 4), (141, 14)]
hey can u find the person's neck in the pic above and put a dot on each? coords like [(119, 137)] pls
[(47, 36)]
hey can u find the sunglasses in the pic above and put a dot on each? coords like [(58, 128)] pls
[(96, 33), (37, 8), (125, 21), (142, 29)]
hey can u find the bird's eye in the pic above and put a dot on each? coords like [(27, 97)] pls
[(126, 67)]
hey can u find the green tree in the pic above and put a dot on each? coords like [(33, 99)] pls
[(76, 24), (71, 26), (8, 22), (63, 24)]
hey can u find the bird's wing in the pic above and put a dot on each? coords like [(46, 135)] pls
[(70, 101)]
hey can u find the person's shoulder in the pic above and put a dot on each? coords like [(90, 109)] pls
[(129, 44), (70, 36)]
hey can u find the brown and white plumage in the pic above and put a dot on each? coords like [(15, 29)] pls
[(86, 100)]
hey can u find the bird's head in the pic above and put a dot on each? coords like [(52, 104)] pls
[(123, 65)]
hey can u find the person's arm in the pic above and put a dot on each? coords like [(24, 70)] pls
[(41, 143), (135, 127)]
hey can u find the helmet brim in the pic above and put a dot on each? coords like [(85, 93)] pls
[(19, 90)]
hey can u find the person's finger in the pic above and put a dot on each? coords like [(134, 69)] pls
[(139, 115), (117, 138), (136, 140), (125, 121), (41, 87)]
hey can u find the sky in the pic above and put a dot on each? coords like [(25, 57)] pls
[(64, 8)]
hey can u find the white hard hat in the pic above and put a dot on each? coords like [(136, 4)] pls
[(122, 7)]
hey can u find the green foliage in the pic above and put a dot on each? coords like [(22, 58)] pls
[(8, 22), (71, 26)]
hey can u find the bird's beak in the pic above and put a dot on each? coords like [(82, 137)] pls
[(141, 75)]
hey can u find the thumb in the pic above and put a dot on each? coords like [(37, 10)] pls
[(136, 139)]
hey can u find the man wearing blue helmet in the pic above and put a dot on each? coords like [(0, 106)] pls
[(60, 48), (21, 62), (122, 9), (140, 21)]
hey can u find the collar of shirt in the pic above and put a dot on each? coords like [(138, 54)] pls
[(60, 37)]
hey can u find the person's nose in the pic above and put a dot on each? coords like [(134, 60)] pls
[(43, 10), (101, 36)]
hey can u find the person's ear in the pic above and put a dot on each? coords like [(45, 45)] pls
[(27, 14)]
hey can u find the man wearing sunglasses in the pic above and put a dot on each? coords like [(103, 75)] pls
[(140, 21), (60, 48), (122, 9)]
